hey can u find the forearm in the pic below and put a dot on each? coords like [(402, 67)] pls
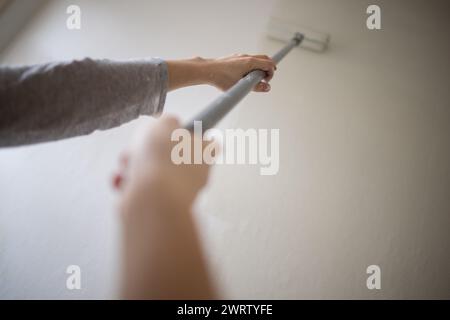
[(163, 257)]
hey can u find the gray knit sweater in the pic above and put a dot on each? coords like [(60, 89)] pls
[(59, 100)]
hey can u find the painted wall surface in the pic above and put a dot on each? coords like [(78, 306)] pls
[(364, 154)]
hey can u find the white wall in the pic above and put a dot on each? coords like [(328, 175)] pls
[(364, 137)]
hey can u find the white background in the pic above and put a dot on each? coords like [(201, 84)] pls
[(364, 154)]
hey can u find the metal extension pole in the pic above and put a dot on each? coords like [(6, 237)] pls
[(220, 106)]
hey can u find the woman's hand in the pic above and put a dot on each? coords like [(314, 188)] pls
[(149, 168), (222, 73)]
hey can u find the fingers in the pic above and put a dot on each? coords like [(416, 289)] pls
[(259, 56), (269, 75), (262, 62), (240, 55), (159, 133), (259, 63), (265, 63), (262, 87), (262, 56), (154, 139)]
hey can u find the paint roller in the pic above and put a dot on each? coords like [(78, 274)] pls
[(293, 36)]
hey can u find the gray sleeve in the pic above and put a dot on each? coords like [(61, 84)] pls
[(65, 99)]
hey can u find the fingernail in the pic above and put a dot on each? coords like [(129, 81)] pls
[(267, 87)]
